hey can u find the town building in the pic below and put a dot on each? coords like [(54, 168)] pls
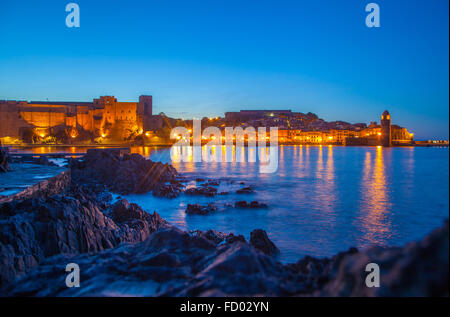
[(104, 117)]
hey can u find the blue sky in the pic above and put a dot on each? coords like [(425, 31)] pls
[(203, 58)]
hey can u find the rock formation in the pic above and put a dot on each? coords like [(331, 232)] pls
[(171, 262), (125, 174), (73, 222), (260, 240)]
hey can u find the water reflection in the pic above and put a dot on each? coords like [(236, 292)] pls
[(374, 218), (321, 200)]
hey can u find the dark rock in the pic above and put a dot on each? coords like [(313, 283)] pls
[(241, 204), (201, 191), (218, 237), (171, 262), (255, 204), (4, 160), (211, 183), (73, 223), (196, 209), (168, 190), (260, 240), (125, 173), (245, 190)]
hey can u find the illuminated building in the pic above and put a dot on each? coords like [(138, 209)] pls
[(104, 117)]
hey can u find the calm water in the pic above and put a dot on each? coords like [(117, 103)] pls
[(322, 200)]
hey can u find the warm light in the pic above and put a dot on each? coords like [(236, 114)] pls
[(379, 133), (103, 135), (42, 135), (179, 137), (190, 130), (330, 138), (147, 133), (141, 131)]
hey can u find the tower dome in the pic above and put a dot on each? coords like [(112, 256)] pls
[(386, 115)]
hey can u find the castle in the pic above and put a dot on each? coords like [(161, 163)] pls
[(104, 117)]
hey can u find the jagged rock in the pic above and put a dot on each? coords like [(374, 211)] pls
[(69, 223), (260, 240), (201, 191), (167, 190), (171, 262), (196, 209), (122, 174), (245, 190), (218, 237)]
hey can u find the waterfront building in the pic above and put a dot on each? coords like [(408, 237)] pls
[(104, 117)]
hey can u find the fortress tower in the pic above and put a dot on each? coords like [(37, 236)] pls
[(144, 110), (386, 129)]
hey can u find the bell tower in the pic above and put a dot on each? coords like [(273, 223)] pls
[(386, 129)]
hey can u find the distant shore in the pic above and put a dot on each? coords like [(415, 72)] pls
[(115, 145)]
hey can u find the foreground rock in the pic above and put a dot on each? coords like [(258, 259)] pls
[(260, 240), (72, 222), (125, 173), (171, 262), (217, 237)]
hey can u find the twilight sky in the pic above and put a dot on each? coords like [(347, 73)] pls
[(203, 58)]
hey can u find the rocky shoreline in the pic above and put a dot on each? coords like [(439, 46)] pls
[(123, 250)]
